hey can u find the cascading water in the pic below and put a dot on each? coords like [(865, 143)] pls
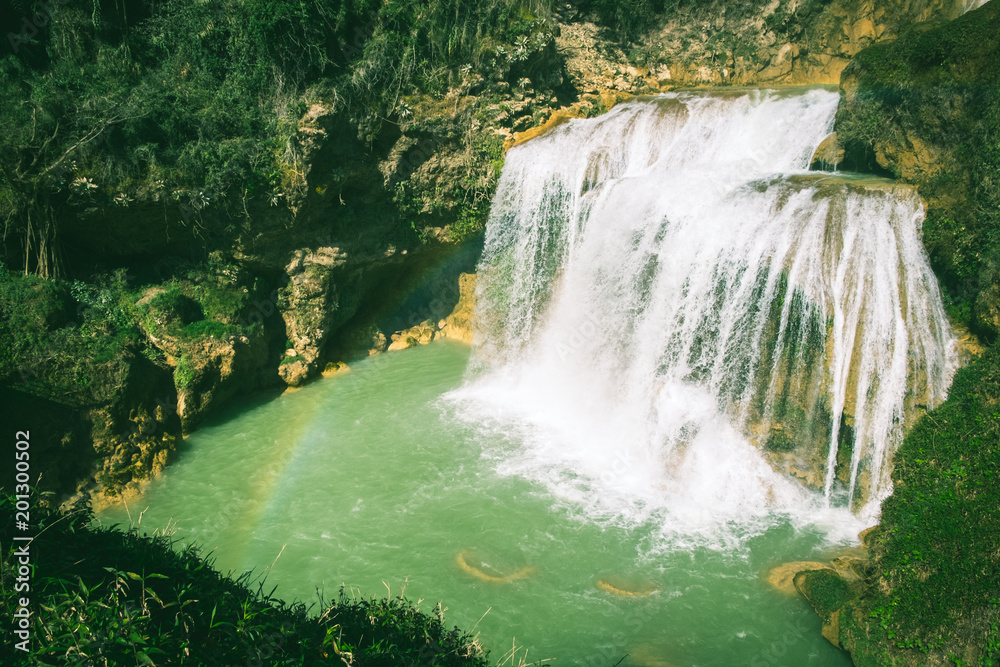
[(677, 322)]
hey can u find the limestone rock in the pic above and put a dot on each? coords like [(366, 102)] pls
[(867, 536), (782, 577), (828, 156), (969, 345), (831, 629), (421, 334), (336, 368), (294, 374), (827, 593), (308, 305), (458, 325), (212, 370), (379, 343), (134, 430)]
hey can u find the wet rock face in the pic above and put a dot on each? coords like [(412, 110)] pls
[(921, 108), (828, 156), (308, 306), (458, 325), (214, 370), (421, 334)]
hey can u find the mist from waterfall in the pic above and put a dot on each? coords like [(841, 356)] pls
[(677, 322)]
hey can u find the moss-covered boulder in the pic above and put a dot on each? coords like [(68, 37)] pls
[(827, 593)]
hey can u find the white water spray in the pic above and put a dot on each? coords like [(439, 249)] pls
[(676, 322)]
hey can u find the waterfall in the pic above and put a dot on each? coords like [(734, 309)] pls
[(676, 321)]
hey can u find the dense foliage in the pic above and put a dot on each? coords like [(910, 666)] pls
[(108, 597), (196, 104), (64, 340), (937, 568)]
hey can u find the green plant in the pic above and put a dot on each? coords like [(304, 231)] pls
[(184, 373), (935, 551)]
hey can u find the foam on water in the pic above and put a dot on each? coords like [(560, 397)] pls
[(665, 287)]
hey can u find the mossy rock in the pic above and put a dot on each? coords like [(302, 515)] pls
[(778, 440), (824, 589)]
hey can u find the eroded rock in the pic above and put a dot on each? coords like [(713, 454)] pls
[(828, 156), (458, 325), (308, 306), (782, 577), (421, 334)]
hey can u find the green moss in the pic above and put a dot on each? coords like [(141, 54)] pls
[(825, 591), (779, 441), (184, 374), (211, 328), (936, 558)]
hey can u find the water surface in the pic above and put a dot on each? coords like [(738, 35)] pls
[(370, 480)]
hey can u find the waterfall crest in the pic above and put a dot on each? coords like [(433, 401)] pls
[(676, 319)]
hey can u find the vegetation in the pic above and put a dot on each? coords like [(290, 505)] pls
[(926, 108), (827, 592), (108, 597), (936, 576), (939, 83), (195, 107), (63, 341), (193, 110)]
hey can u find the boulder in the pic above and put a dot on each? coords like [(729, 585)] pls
[(458, 325), (828, 156), (309, 303), (421, 334)]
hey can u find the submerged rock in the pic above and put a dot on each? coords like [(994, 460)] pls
[(421, 334), (482, 571), (336, 368), (782, 577)]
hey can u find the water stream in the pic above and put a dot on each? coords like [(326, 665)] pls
[(667, 294), (693, 362)]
